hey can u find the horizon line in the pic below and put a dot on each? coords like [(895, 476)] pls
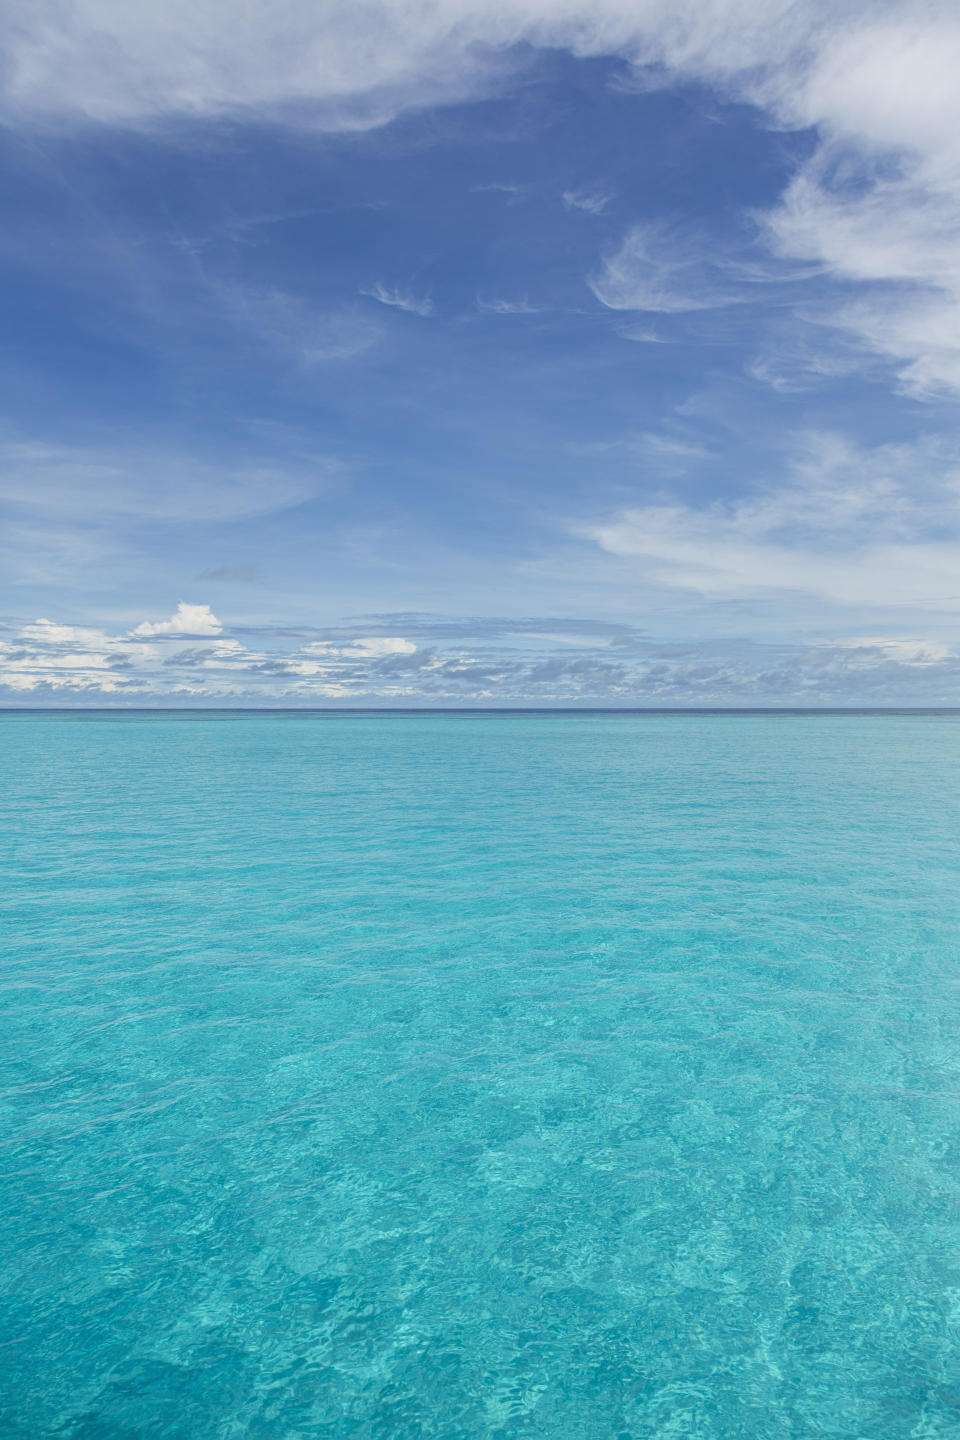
[(480, 710)]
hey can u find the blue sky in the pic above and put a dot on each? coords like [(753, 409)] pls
[(453, 353)]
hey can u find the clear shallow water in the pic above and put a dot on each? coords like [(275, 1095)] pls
[(480, 1076)]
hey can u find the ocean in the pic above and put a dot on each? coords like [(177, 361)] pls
[(480, 1076)]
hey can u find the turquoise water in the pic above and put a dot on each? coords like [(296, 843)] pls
[(480, 1076)]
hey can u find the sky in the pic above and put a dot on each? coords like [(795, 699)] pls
[(480, 353)]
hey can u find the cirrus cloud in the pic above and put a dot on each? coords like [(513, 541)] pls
[(878, 528)]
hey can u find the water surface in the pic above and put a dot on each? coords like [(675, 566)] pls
[(572, 1077)]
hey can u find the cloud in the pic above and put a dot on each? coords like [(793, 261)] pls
[(641, 335), (231, 574), (594, 202), (69, 513), (804, 359), (49, 632), (344, 65), (111, 481), (515, 193), (858, 528), (295, 328), (363, 647), (449, 629), (897, 240), (650, 271), (186, 620), (877, 205), (904, 651), (506, 307), (400, 299), (51, 655), (47, 663)]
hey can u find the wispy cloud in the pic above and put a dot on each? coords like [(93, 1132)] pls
[(594, 202), (400, 299), (876, 206), (656, 271), (641, 335), (350, 66), (300, 331), (863, 242), (118, 505), (878, 203), (90, 481), (231, 574), (506, 307), (364, 647), (896, 240), (513, 192), (905, 650), (878, 528), (796, 362)]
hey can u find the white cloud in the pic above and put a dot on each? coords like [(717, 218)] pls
[(594, 202), (371, 647), (223, 654), (551, 665), (898, 241), (42, 660), (877, 528), (640, 335), (74, 661), (303, 667), (379, 645), (877, 206), (792, 364), (905, 651), (400, 299), (294, 328), (109, 481), (349, 63), (71, 512), (515, 193), (186, 620), (650, 271), (506, 307), (49, 632)]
